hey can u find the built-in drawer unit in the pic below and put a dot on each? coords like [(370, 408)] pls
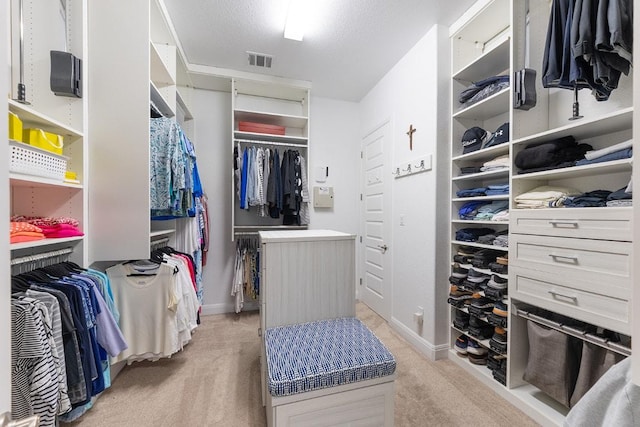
[(566, 295), (593, 265), (582, 223)]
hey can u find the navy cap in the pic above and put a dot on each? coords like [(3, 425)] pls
[(501, 135), (473, 139)]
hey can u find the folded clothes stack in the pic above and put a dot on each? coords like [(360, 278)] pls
[(52, 227), (545, 196), (497, 190), (472, 234), (498, 163), (486, 212), (619, 151), (482, 89), (555, 154), (20, 231), (596, 198), (472, 192), (621, 197)]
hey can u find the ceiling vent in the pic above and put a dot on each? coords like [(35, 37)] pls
[(261, 60)]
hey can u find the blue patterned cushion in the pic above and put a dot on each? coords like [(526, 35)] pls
[(326, 353)]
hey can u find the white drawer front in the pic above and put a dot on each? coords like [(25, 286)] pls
[(584, 223), (594, 265), (540, 289)]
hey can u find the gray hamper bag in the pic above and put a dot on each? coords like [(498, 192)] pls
[(554, 360), (595, 362)]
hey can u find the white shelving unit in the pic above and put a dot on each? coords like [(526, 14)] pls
[(143, 39), (34, 195), (503, 36), (270, 104)]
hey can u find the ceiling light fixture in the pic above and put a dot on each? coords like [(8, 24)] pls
[(296, 20)]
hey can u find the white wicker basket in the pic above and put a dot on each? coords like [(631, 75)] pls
[(29, 160)]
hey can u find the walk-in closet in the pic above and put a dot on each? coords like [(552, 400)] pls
[(408, 214)]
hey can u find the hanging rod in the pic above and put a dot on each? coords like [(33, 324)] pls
[(245, 233), (283, 144), (41, 256), (159, 242)]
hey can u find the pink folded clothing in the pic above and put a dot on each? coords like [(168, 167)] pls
[(60, 230), (17, 227), (40, 221)]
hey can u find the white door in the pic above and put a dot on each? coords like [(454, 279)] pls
[(376, 211)]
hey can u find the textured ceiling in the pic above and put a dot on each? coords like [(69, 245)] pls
[(347, 48)]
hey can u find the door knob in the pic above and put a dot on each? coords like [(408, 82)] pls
[(383, 248)]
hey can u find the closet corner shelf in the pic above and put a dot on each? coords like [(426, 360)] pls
[(623, 165), (31, 117), (491, 62), (44, 242), (20, 180), (159, 101), (491, 106), (267, 118), (585, 128)]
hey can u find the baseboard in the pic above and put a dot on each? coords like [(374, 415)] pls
[(433, 352), (208, 309)]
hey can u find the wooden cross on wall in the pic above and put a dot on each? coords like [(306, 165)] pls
[(410, 133)]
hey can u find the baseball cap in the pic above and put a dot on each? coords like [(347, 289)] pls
[(501, 135), (473, 139)]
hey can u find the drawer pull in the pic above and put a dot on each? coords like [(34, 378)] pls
[(556, 223), (559, 295), (571, 258)]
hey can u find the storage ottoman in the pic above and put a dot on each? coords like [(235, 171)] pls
[(328, 372)]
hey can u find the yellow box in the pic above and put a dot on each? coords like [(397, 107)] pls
[(15, 127), (45, 140)]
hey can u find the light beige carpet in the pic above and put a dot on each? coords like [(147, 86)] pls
[(215, 381)]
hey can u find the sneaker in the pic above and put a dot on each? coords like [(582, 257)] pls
[(497, 282), (481, 332), (501, 309), (500, 335), (504, 259), (477, 359), (476, 276), (496, 320), (462, 259), (481, 306), (494, 294), (458, 271), (461, 345), (457, 291), (474, 348), (461, 321), (498, 268)]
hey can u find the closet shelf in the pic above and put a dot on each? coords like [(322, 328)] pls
[(490, 63), (161, 233), (484, 154), (491, 106), (266, 137), (285, 120), (605, 168), (160, 101), (31, 117), (160, 73), (485, 271), (474, 221), (479, 245), (20, 180), (482, 175), (481, 371), (484, 343), (44, 242), (483, 318), (480, 198), (574, 331), (188, 115), (586, 128)]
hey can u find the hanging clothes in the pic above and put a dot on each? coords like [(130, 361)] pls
[(246, 276), (63, 332)]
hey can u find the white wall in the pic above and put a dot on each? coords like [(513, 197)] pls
[(410, 93), (333, 143)]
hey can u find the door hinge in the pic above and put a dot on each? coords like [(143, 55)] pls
[(360, 196), (361, 281), (362, 155), (360, 239)]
